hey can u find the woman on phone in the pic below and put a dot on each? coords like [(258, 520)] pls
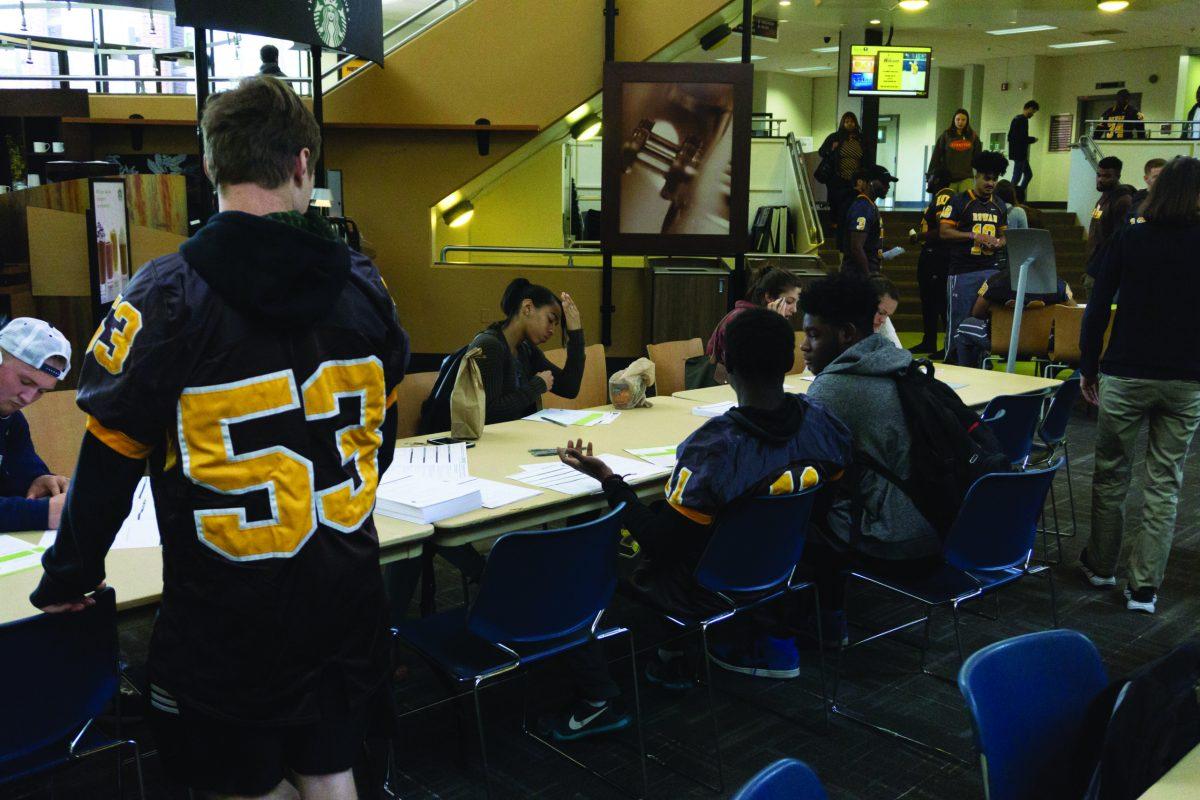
[(515, 371)]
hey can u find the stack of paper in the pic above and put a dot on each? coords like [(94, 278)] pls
[(561, 478), (714, 409), (140, 528), (16, 555), (443, 462), (658, 456), (421, 499), (567, 417)]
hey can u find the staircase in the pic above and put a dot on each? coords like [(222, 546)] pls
[(1068, 249)]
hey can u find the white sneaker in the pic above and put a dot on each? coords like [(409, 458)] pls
[(1096, 580), (1143, 600)]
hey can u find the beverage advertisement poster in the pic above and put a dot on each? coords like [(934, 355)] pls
[(110, 238)]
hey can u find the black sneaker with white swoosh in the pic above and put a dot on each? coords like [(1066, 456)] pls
[(582, 719)]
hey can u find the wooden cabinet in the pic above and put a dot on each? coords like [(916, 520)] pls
[(689, 296), (35, 115)]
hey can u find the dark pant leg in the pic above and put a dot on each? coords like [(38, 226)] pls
[(933, 294)]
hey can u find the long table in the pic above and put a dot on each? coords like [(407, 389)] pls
[(136, 574), (1182, 782), (976, 387)]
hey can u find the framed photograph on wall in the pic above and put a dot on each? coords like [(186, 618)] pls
[(108, 243), (676, 163)]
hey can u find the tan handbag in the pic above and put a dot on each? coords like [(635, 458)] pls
[(468, 401)]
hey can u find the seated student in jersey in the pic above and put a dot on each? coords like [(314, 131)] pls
[(973, 339), (972, 229), (872, 522), (772, 443), (34, 357), (864, 229), (516, 373), (776, 289), (889, 301)]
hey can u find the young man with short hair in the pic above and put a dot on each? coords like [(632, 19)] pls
[(771, 443), (1122, 120), (863, 226), (872, 521), (1018, 145), (1150, 173), (254, 371), (34, 357), (972, 226), (1110, 213)]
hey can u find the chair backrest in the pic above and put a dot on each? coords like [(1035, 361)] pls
[(543, 585), (997, 524), (1015, 427), (756, 543), (668, 358), (593, 389), (1028, 697), (410, 394), (56, 425), (786, 779), (72, 660), (798, 362), (1035, 331), (1054, 424), (1068, 326)]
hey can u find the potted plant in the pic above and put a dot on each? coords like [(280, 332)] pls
[(16, 162)]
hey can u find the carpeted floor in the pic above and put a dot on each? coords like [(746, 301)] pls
[(761, 720)]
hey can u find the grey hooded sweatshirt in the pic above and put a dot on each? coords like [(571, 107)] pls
[(859, 388)]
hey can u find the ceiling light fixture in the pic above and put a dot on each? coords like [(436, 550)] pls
[(1028, 29), (458, 215), (732, 59), (785, 3), (1112, 6), (806, 69), (586, 128), (875, 21), (830, 49), (1092, 43), (913, 5)]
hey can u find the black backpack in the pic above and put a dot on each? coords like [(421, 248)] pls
[(435, 410), (951, 447)]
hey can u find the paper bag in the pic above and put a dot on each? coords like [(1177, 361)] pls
[(468, 401), (627, 388)]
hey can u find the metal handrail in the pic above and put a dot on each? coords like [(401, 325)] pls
[(816, 233), (396, 29), (135, 78), (569, 252), (1148, 128)]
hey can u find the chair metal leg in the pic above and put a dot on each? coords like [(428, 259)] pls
[(712, 708), (1053, 597), (1070, 487), (487, 776), (925, 646), (958, 634), (637, 715), (821, 653), (137, 763)]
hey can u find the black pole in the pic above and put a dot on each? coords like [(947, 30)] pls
[(747, 22), (739, 281), (318, 110), (870, 108), (606, 260), (200, 38)]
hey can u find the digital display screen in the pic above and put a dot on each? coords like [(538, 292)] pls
[(876, 70)]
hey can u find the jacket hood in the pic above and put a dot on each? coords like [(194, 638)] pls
[(778, 425), (874, 356), (289, 274)]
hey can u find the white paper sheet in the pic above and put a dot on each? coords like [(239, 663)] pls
[(441, 462), (658, 456), (713, 409), (567, 417), (17, 555), (559, 477), (140, 528), (496, 494)]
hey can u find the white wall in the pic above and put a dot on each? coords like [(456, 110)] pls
[(788, 97)]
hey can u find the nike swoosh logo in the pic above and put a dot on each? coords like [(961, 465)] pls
[(575, 724)]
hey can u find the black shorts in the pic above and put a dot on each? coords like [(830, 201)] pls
[(210, 755)]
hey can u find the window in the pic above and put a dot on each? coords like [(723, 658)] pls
[(1060, 132)]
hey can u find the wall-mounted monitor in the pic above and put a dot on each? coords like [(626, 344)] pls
[(879, 71)]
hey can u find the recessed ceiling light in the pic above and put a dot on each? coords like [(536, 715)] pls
[(830, 49), (785, 3), (1112, 6), (1092, 43), (806, 69), (875, 21), (732, 59), (913, 5), (1028, 29)]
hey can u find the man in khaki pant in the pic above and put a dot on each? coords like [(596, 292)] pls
[(1150, 371)]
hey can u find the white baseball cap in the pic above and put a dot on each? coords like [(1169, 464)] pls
[(35, 341)]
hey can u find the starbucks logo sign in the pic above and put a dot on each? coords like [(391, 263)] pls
[(330, 21)]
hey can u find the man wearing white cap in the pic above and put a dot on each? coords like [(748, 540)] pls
[(34, 357)]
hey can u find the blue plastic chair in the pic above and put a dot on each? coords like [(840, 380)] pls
[(1053, 435), (529, 608), (74, 657), (1014, 419), (1028, 697), (989, 546), (786, 779), (751, 560)]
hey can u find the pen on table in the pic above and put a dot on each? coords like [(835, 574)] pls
[(556, 422)]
